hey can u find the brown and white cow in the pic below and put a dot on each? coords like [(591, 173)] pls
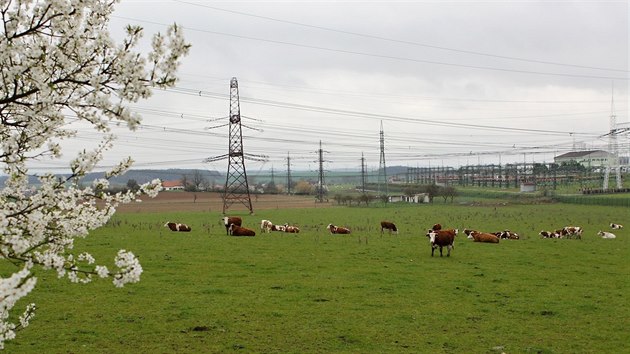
[(390, 226), (291, 229), (477, 236), (507, 234), (229, 220), (616, 226), (177, 227), (442, 238), (573, 232), (436, 227), (266, 226), (235, 230), (549, 234), (337, 229), (467, 232)]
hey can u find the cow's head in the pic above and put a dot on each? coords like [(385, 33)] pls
[(431, 236)]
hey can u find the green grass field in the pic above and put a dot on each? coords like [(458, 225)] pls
[(205, 292)]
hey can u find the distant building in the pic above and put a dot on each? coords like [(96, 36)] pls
[(586, 158), (417, 198), (173, 185)]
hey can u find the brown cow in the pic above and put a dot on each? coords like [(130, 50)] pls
[(337, 229), (442, 238), (229, 220), (177, 227), (236, 230), (483, 237), (388, 225)]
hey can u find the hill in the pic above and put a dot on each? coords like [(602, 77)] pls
[(141, 176)]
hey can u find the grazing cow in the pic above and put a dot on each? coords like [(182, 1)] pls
[(266, 226), (388, 225), (436, 227), (291, 229), (177, 227), (229, 220), (280, 228), (477, 236), (236, 230), (616, 226), (573, 231), (607, 235), (337, 229), (442, 238)]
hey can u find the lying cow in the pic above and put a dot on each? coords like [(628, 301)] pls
[(507, 234), (291, 229), (229, 220), (337, 229), (549, 234), (177, 227), (390, 226), (235, 230), (477, 236), (606, 235), (442, 238), (616, 226)]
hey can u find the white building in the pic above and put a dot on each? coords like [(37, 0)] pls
[(586, 158)]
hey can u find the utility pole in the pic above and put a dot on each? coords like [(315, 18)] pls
[(320, 181), (382, 169), (363, 173), (288, 174)]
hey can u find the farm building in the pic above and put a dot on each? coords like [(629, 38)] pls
[(586, 158), (417, 198), (172, 185)]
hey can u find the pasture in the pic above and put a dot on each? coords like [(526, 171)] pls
[(312, 292)]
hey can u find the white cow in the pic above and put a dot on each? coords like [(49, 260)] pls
[(606, 235)]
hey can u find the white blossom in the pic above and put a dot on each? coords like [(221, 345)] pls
[(62, 64)]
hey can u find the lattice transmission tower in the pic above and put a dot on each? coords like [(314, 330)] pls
[(236, 186), (321, 185), (382, 169), (613, 149)]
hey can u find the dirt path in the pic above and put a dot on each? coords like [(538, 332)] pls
[(211, 202)]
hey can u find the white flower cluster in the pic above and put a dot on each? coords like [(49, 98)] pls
[(62, 65), (130, 269), (12, 289)]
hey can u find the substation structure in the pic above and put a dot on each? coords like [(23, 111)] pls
[(545, 175)]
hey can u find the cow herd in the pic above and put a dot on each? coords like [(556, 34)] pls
[(438, 237)]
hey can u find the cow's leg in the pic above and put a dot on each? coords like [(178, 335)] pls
[(440, 251), (449, 247), (432, 250)]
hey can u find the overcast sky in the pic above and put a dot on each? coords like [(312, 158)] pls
[(451, 82)]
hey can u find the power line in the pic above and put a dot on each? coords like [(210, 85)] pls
[(364, 35), (383, 56)]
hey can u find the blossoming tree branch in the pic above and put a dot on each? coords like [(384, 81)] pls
[(58, 63)]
